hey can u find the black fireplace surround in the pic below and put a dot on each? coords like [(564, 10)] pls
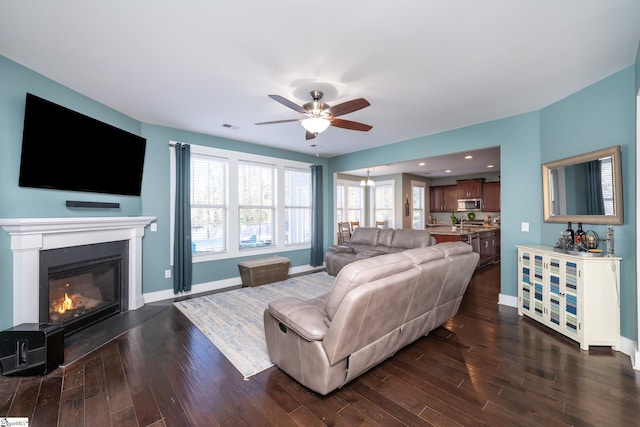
[(83, 285)]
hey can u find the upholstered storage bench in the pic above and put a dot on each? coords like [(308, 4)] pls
[(260, 271)]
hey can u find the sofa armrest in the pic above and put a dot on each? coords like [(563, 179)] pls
[(303, 318), (339, 248)]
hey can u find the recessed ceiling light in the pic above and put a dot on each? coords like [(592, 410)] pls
[(468, 157), (490, 166), (448, 171), (421, 164)]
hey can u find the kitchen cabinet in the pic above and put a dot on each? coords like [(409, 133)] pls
[(576, 296), (487, 248), (443, 198), (470, 188), (484, 242), (491, 196)]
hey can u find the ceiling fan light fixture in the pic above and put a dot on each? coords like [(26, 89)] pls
[(316, 124)]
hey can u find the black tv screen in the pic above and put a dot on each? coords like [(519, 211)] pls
[(65, 150)]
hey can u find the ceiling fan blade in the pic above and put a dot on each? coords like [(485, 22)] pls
[(348, 124), (277, 121), (348, 107), (287, 103), (310, 135)]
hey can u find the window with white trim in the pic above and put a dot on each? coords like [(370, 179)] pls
[(297, 206), (383, 202), (256, 204), (209, 204), (417, 205), (349, 201), (245, 204)]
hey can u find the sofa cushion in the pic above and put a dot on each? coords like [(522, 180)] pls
[(362, 272), (364, 236), (405, 238), (384, 240)]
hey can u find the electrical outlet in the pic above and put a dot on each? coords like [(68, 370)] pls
[(154, 226), (525, 227), (167, 274)]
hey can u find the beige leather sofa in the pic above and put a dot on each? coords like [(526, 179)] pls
[(367, 242), (375, 307)]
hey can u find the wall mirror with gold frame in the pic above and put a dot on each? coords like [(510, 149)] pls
[(585, 188)]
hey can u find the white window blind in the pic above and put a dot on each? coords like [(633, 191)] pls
[(256, 204), (209, 204), (297, 205)]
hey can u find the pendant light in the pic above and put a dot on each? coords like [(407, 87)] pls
[(367, 182)]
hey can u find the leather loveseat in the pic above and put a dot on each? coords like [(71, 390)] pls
[(375, 307), (367, 242)]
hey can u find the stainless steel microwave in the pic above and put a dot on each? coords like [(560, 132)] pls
[(469, 205)]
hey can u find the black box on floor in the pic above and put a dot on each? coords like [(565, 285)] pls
[(31, 349)]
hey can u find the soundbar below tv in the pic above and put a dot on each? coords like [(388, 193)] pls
[(65, 150)]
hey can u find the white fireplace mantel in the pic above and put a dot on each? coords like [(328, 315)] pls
[(29, 236)]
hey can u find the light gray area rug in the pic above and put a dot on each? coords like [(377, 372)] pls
[(233, 320)]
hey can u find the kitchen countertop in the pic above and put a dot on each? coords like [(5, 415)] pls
[(468, 229)]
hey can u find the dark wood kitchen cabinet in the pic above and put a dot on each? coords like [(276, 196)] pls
[(470, 188), (491, 196), (443, 198)]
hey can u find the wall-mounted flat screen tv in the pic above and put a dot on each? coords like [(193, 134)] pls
[(65, 150)]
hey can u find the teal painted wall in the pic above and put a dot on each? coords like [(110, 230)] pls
[(518, 138), (16, 202), (599, 116), (156, 251)]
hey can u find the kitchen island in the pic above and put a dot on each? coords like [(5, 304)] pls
[(484, 239)]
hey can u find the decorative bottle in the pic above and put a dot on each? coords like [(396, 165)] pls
[(579, 237), (570, 233), (609, 239)]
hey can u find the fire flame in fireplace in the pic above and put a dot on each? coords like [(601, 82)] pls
[(66, 304)]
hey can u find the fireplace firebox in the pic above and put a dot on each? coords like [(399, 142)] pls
[(83, 285)]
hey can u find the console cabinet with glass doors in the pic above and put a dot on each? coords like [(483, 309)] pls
[(576, 296)]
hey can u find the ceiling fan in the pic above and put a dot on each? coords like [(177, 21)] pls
[(319, 115)]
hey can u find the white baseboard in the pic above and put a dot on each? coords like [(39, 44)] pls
[(217, 285), (630, 348), (507, 300)]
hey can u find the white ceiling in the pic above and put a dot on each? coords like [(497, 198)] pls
[(425, 66)]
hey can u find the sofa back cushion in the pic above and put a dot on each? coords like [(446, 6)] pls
[(384, 240), (405, 238), (364, 239), (362, 272)]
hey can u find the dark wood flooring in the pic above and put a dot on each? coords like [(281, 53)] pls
[(486, 366)]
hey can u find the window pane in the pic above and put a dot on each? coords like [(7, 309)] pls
[(256, 228), (297, 190), (208, 204), (256, 208), (384, 203), (256, 184), (355, 204), (417, 214), (208, 230), (297, 225)]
